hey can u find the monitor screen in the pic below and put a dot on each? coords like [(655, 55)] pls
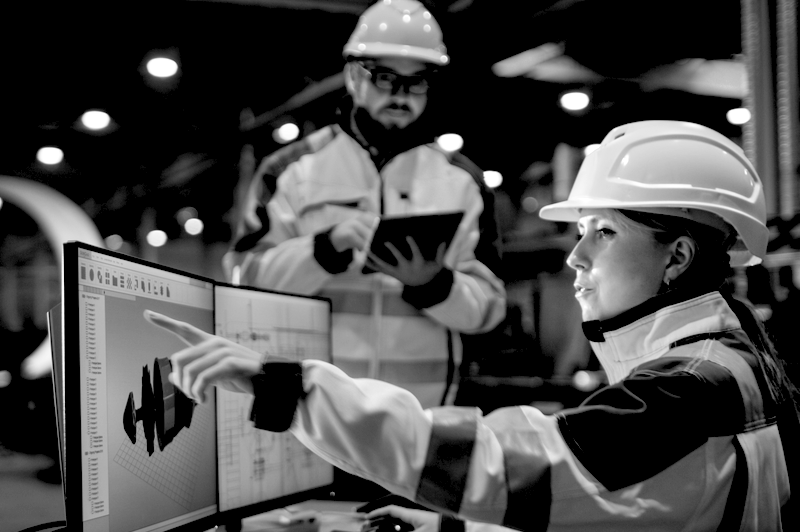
[(258, 467), (138, 454)]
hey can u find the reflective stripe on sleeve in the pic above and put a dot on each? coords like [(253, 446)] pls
[(444, 477), (527, 469)]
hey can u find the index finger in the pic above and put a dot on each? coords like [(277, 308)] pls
[(440, 253), (398, 257), (370, 219), (190, 334), (391, 510), (384, 510), (415, 251)]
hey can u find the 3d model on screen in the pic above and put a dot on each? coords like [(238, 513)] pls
[(165, 409)]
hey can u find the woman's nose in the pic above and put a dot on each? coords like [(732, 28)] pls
[(577, 259)]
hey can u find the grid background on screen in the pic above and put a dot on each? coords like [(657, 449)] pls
[(171, 471), (255, 465)]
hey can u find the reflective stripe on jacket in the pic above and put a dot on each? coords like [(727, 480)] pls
[(329, 178), (686, 440)]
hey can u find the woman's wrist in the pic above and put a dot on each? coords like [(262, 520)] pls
[(448, 523), (276, 391)]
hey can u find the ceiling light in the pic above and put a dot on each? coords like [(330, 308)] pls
[(95, 120), (193, 226), (286, 133), (114, 242), (49, 155), (162, 67), (157, 238), (738, 116), (574, 101), (492, 178), (586, 381), (450, 142), (530, 204)]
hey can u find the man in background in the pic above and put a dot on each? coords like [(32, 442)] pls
[(312, 207)]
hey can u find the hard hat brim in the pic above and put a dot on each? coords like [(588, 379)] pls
[(570, 211), (377, 49)]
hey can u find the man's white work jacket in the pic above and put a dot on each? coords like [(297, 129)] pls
[(685, 436), (377, 331)]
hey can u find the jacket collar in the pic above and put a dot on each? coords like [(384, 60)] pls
[(594, 329), (647, 331)]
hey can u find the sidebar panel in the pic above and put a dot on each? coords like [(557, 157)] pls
[(94, 427)]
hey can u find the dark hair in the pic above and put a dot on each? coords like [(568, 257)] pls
[(711, 263), (709, 268)]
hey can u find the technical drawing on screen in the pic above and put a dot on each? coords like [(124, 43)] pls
[(255, 465)]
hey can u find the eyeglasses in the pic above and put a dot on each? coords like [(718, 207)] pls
[(389, 80)]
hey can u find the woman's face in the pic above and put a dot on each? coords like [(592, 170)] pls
[(617, 266)]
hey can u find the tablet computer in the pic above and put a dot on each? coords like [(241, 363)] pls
[(428, 231)]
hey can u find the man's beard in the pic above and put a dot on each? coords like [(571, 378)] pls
[(392, 137), (392, 125)]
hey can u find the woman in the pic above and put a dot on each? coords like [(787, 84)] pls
[(692, 430)]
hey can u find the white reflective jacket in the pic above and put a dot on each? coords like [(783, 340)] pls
[(329, 178), (685, 438)]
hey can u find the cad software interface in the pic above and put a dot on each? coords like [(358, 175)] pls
[(149, 454), (152, 459)]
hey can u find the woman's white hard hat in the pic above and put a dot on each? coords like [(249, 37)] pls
[(676, 168)]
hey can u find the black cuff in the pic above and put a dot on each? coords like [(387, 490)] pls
[(431, 293), (451, 524), (276, 391), (325, 254)]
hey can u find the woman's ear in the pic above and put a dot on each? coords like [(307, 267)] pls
[(682, 252)]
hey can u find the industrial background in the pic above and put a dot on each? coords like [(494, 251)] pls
[(183, 147)]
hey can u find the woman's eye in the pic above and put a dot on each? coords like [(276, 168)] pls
[(603, 232)]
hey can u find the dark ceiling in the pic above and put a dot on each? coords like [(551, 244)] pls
[(177, 143)]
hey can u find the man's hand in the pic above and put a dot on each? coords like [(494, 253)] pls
[(353, 233), (413, 271), (209, 360), (421, 520)]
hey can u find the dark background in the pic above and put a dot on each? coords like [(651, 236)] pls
[(178, 141)]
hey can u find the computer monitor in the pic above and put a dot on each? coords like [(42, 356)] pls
[(138, 454)]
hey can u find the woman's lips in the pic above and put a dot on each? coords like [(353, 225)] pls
[(581, 290)]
